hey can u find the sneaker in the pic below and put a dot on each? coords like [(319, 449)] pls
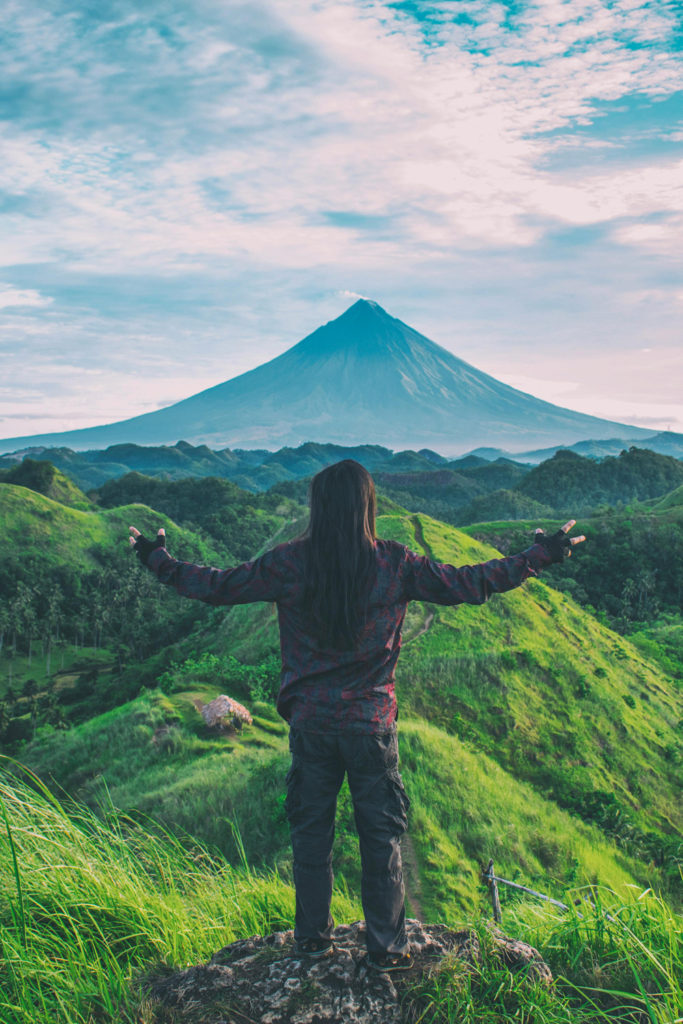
[(315, 949), (390, 961)]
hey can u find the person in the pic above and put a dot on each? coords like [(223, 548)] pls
[(341, 596)]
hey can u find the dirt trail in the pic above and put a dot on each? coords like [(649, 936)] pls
[(411, 877), (421, 542), (420, 537), (423, 628)]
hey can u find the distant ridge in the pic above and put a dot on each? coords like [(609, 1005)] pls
[(364, 378), (665, 443)]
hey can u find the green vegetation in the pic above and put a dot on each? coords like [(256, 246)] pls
[(46, 479), (530, 733), (539, 685), (577, 485), (155, 756), (566, 484), (503, 504), (556, 699), (88, 905), (76, 609), (237, 522), (91, 905), (629, 572), (617, 958)]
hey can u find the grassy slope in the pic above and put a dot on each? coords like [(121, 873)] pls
[(46, 479), (505, 676), (45, 535), (31, 522), (154, 757), (501, 679), (550, 688), (531, 678), (89, 907)]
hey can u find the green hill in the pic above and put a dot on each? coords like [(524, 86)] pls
[(533, 680), (76, 610), (155, 757), (538, 684), (46, 479), (571, 482), (672, 500)]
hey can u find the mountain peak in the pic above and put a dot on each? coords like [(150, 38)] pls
[(366, 309), (364, 377)]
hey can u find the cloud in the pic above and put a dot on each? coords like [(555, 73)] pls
[(334, 106), (238, 161), (10, 297)]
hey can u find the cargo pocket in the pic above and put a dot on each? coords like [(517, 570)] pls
[(400, 801)]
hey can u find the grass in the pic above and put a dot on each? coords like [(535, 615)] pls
[(154, 757), (617, 958), (89, 905), (466, 809), (547, 691)]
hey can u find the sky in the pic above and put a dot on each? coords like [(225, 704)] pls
[(189, 187)]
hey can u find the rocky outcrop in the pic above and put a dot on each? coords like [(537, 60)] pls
[(263, 980), (224, 711)]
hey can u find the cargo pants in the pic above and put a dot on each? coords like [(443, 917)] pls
[(319, 762)]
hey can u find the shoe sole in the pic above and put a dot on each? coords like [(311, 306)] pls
[(320, 955), (395, 969)]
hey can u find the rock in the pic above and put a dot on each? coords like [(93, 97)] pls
[(263, 981), (225, 711)]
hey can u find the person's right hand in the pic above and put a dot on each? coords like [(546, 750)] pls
[(143, 548), (559, 545)]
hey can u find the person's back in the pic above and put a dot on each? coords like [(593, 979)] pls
[(354, 686)]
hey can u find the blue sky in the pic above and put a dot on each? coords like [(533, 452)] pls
[(187, 189)]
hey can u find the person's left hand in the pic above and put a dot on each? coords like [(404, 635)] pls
[(142, 546), (559, 545)]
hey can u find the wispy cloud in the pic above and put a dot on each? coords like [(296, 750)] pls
[(21, 297)]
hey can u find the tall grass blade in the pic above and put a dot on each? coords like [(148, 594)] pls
[(17, 876)]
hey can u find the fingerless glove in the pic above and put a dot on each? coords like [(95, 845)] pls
[(557, 545), (143, 548)]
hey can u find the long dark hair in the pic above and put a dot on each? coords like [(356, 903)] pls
[(339, 546)]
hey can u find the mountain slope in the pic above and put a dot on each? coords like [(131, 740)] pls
[(365, 376), (563, 702)]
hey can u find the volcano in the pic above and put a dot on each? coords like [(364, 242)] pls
[(364, 378)]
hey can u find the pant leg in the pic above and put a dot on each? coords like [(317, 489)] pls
[(380, 806), (313, 782)]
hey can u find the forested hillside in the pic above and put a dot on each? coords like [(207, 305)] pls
[(82, 625), (629, 573), (460, 491)]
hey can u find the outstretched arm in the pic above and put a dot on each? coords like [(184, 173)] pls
[(426, 580), (258, 580)]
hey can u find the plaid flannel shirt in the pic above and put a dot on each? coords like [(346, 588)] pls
[(345, 691)]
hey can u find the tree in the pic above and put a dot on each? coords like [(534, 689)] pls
[(25, 615), (53, 620), (5, 619), (30, 688)]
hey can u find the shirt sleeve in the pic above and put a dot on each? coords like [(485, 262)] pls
[(259, 580), (440, 583)]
